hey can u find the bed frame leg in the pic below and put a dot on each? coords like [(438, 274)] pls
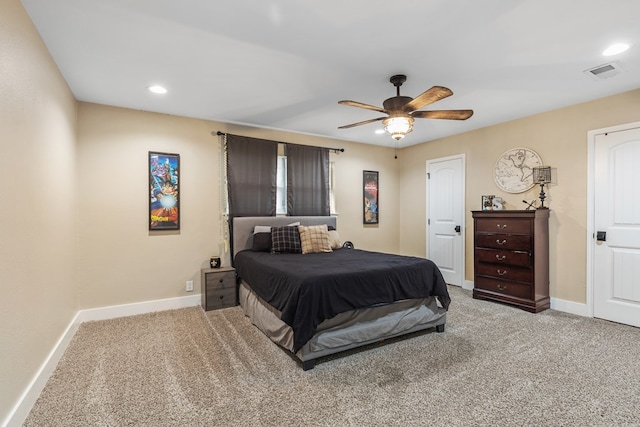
[(308, 364), (440, 328)]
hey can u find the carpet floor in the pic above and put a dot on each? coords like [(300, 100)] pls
[(494, 366)]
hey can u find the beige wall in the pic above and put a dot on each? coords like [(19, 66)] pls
[(122, 262), (560, 137), (38, 250)]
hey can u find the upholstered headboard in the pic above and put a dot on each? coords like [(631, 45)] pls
[(243, 226)]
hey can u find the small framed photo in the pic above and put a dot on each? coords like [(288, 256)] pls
[(487, 203), (498, 204)]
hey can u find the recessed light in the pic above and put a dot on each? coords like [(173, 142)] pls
[(615, 49), (157, 89)]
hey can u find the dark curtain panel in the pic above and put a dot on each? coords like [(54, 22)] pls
[(307, 180), (251, 176)]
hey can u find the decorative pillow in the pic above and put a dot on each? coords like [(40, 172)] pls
[(314, 239), (334, 239), (262, 229), (285, 240), (262, 242)]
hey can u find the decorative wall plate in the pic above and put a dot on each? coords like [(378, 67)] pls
[(513, 171)]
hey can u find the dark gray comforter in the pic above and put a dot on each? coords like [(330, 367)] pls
[(311, 288)]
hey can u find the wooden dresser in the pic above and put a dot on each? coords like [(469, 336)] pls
[(218, 288), (511, 257)]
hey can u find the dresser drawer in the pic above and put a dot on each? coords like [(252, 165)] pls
[(220, 298), (220, 280), (504, 241), (504, 225), (505, 272), (517, 258), (504, 287)]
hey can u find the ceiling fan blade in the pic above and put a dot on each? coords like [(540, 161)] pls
[(362, 123), (361, 105), (443, 114), (427, 97)]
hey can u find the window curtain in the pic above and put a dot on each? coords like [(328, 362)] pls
[(307, 180), (251, 176)]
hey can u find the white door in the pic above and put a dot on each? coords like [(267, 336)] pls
[(445, 217), (616, 285)]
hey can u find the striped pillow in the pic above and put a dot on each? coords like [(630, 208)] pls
[(314, 239)]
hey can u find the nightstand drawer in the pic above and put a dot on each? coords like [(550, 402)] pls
[(504, 225), (505, 272), (221, 298), (503, 287), (494, 256), (504, 241), (220, 280)]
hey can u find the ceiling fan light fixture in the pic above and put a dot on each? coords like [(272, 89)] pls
[(398, 127)]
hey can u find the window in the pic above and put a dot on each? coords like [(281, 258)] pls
[(281, 186)]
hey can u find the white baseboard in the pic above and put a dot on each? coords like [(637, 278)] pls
[(114, 311), (20, 412), (468, 285), (570, 307)]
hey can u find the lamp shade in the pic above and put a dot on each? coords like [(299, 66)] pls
[(398, 127), (542, 174)]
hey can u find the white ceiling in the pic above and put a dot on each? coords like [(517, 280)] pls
[(284, 64)]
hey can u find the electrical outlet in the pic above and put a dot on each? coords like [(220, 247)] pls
[(189, 285)]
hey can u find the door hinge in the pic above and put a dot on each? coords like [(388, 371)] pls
[(428, 175), (428, 222)]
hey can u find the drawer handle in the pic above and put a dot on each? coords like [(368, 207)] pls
[(502, 226), (502, 288), (501, 242), (501, 257), (501, 273), (221, 296)]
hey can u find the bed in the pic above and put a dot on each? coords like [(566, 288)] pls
[(325, 302)]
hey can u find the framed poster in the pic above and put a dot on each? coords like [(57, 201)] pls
[(370, 191), (164, 191)]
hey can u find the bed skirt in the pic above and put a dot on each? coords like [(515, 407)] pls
[(345, 330)]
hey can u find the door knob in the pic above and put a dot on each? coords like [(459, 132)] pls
[(457, 228), (601, 236)]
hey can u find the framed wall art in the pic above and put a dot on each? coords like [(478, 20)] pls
[(370, 192), (164, 191)]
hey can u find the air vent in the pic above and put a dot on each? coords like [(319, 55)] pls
[(604, 71)]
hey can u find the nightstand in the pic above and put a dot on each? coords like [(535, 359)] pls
[(218, 288)]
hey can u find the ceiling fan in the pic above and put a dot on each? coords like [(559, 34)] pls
[(402, 110)]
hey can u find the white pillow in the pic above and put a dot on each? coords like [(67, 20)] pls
[(334, 239), (261, 229)]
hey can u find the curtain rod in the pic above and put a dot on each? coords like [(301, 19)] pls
[(335, 150)]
